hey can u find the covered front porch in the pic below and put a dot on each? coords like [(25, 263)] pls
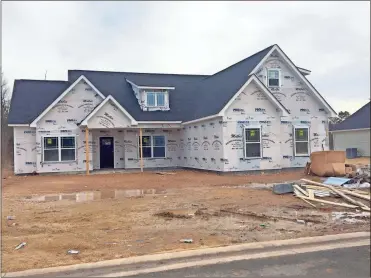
[(115, 140), (132, 148)]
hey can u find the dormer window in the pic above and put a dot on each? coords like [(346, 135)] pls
[(155, 99), (273, 78)]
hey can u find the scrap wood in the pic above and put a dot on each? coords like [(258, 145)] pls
[(305, 193), (315, 187), (300, 195), (359, 191), (350, 200), (355, 194), (310, 193), (328, 202), (313, 205)]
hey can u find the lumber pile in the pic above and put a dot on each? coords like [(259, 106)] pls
[(308, 191)]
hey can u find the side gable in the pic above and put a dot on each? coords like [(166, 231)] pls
[(109, 114), (61, 96), (298, 72)]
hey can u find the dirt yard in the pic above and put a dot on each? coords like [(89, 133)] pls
[(365, 160), (110, 216)]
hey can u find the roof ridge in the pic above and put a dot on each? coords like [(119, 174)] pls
[(177, 74), (243, 60), (39, 80)]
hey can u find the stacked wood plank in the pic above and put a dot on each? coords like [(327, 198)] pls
[(309, 190)]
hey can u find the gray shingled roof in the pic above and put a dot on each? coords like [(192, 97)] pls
[(31, 97), (194, 97), (359, 119), (114, 83)]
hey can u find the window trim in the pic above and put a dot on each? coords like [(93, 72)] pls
[(156, 93), (151, 136), (59, 136), (294, 140), (279, 77), (245, 141)]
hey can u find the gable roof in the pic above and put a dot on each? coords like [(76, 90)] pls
[(358, 120), (300, 74), (194, 97), (260, 85), (65, 92), (96, 109), (31, 97), (115, 84), (210, 95)]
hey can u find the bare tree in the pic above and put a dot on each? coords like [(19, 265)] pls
[(6, 131), (341, 117)]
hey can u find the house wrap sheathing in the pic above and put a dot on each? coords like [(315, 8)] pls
[(215, 142)]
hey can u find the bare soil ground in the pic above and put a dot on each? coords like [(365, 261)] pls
[(122, 216), (365, 160)]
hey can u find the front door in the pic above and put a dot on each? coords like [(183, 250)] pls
[(106, 152)]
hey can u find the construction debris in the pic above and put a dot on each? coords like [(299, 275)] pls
[(21, 245), (339, 192), (165, 173), (340, 175), (327, 163), (10, 217), (332, 164), (175, 214), (336, 181), (186, 240), (309, 190), (283, 188)]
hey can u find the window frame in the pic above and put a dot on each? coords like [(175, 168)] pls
[(279, 78), (152, 146), (245, 142), (156, 102), (59, 148), (295, 127)]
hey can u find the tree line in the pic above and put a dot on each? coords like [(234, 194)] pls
[(6, 131)]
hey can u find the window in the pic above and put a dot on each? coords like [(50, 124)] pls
[(273, 78), (252, 142), (151, 99), (301, 141), (153, 146), (59, 148), (160, 98), (156, 99)]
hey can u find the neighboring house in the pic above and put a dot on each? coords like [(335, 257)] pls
[(260, 113), (353, 132)]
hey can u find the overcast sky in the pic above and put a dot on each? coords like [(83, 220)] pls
[(332, 39)]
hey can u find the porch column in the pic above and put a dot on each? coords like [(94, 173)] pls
[(87, 149), (141, 149)]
